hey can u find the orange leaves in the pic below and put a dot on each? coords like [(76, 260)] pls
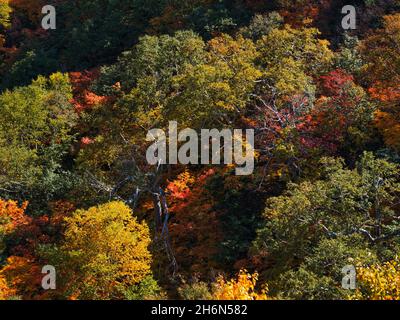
[(25, 232), (23, 275), (242, 288), (179, 188), (389, 127), (12, 216), (83, 97), (86, 141), (382, 54), (392, 24), (381, 51), (299, 17), (384, 93)]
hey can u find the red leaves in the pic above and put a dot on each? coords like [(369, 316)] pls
[(333, 113), (86, 141), (195, 230), (334, 83), (83, 97)]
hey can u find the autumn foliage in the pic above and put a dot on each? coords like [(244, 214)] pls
[(195, 226), (379, 282), (77, 191), (242, 288)]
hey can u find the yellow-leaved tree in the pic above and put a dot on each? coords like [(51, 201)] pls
[(242, 288), (104, 256), (379, 282), (6, 292)]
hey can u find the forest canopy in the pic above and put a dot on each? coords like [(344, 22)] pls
[(77, 193)]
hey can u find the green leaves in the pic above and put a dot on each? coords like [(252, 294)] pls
[(181, 78), (35, 130), (351, 207)]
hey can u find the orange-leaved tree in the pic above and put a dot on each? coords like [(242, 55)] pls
[(382, 54)]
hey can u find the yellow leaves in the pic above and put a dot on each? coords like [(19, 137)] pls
[(308, 21), (182, 182), (146, 119), (242, 288), (290, 56), (235, 51), (289, 77), (5, 11), (236, 57), (323, 43), (110, 246), (5, 291), (379, 282), (301, 45)]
